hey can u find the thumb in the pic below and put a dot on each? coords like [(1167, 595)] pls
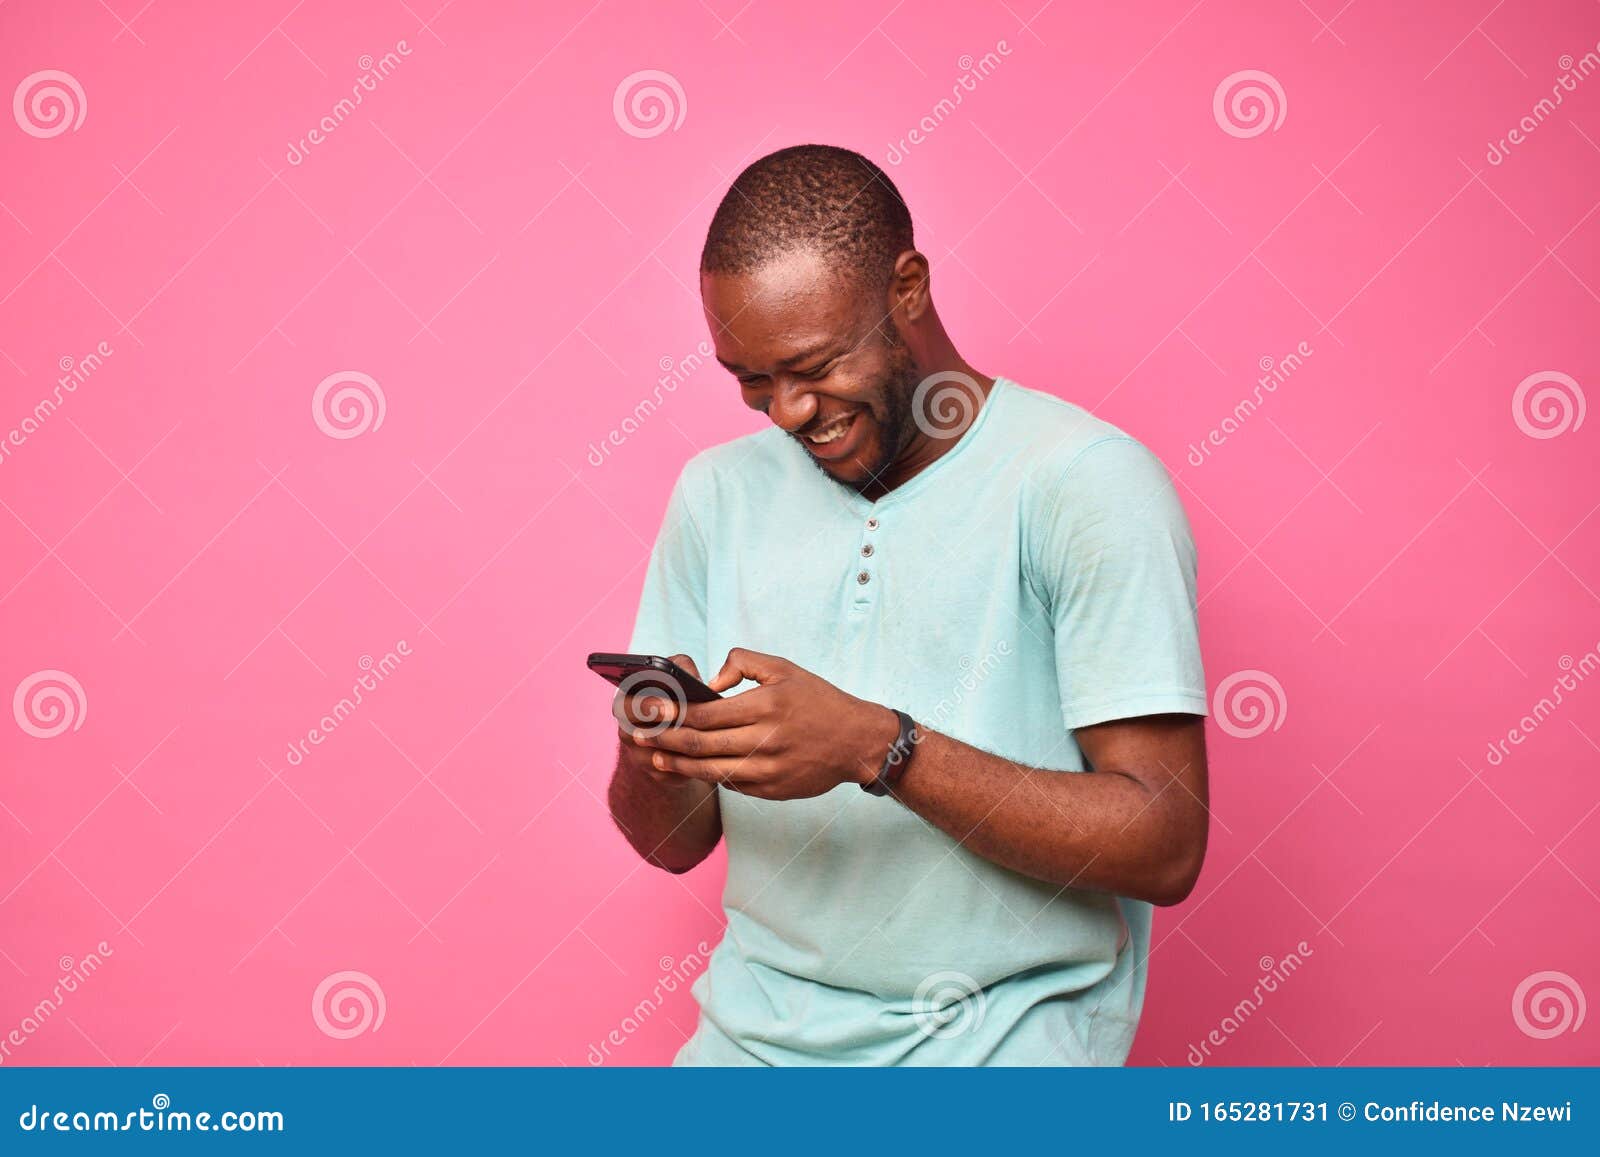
[(742, 664)]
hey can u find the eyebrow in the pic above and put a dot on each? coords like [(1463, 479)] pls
[(793, 360)]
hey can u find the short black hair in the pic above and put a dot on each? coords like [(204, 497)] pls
[(811, 197)]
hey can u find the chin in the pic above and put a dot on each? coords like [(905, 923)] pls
[(848, 474), (857, 471)]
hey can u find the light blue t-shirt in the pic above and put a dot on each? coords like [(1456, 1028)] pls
[(1037, 578)]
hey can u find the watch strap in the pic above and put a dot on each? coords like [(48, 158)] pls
[(897, 758)]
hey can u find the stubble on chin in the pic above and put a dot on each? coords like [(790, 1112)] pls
[(891, 415)]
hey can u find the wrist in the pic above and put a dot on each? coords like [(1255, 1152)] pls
[(882, 730), (896, 756)]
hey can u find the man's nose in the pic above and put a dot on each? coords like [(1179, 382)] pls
[(793, 406)]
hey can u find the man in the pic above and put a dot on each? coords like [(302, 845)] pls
[(1012, 574)]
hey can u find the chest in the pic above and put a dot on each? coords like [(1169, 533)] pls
[(866, 594)]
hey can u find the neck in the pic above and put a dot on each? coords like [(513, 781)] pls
[(943, 406)]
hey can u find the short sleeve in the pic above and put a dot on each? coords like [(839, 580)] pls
[(672, 606), (1114, 560)]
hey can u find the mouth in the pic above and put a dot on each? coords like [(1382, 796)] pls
[(834, 438)]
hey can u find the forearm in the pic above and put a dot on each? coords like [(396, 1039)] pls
[(1104, 829), (671, 821)]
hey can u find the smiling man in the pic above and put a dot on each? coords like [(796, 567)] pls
[(973, 600)]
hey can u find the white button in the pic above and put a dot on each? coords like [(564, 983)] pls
[(872, 524), (863, 578), (866, 551)]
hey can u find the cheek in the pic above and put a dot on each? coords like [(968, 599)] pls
[(866, 387)]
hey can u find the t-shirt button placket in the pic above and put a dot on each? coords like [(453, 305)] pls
[(864, 575)]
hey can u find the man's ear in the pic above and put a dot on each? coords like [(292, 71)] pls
[(909, 295)]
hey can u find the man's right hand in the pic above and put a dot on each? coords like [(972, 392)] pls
[(671, 820), (651, 712)]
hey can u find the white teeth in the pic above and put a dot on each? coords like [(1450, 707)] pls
[(831, 434)]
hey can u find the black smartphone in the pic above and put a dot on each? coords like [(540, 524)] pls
[(646, 673)]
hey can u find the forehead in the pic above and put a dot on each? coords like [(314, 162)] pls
[(794, 303)]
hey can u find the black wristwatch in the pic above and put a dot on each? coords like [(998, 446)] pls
[(898, 758)]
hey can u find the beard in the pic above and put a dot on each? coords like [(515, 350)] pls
[(888, 403)]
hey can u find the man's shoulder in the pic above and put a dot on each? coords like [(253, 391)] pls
[(1060, 442), (743, 465)]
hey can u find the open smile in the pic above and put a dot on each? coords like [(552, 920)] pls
[(835, 438)]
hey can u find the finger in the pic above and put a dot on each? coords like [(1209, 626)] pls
[(739, 710), (742, 664), (738, 742), (652, 710), (727, 770), (666, 778), (686, 663)]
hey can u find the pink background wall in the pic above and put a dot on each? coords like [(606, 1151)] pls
[(1405, 554)]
